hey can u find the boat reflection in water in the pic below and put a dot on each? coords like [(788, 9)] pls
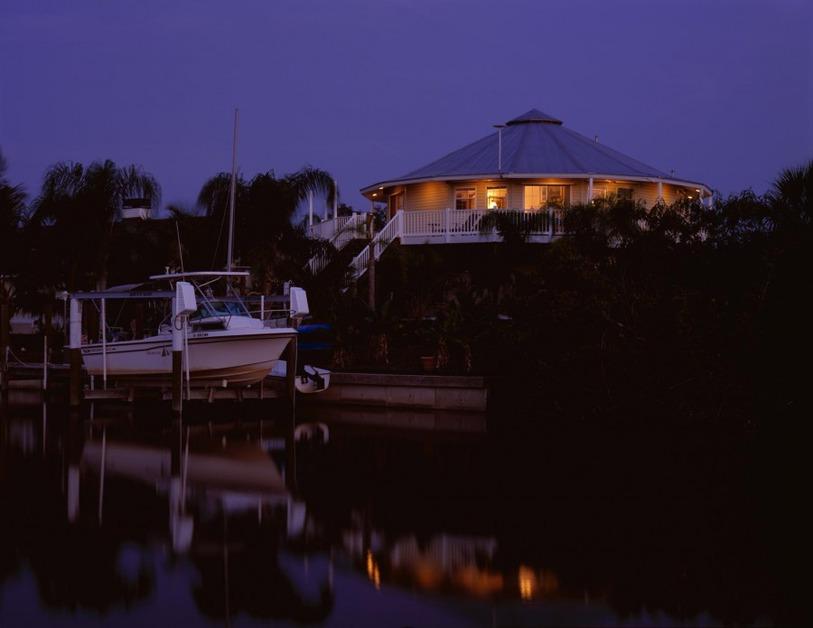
[(132, 519)]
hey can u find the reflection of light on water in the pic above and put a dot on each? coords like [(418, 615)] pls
[(527, 582), (373, 572), (531, 584), (478, 581)]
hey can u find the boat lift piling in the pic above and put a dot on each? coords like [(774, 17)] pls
[(75, 353), (290, 356), (177, 361), (5, 321)]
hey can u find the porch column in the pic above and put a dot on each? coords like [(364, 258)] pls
[(590, 190), (660, 192)]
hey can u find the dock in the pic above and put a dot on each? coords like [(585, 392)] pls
[(468, 393)]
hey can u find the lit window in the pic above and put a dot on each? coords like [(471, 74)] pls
[(497, 198), (464, 198), (542, 196), (599, 193)]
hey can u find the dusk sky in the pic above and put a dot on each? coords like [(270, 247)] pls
[(720, 91)]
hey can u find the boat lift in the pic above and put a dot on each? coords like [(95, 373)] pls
[(184, 302)]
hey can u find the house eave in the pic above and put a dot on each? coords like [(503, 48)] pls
[(374, 188)]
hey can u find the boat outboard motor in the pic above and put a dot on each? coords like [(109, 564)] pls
[(308, 372)]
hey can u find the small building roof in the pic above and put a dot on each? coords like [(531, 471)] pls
[(534, 144)]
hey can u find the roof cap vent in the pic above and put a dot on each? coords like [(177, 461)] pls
[(534, 116)]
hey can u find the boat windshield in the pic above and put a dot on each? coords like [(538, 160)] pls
[(217, 308)]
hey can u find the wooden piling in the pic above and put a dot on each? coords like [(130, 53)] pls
[(5, 320), (177, 361), (75, 353), (290, 357), (177, 381)]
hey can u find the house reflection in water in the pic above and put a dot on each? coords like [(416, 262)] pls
[(447, 563)]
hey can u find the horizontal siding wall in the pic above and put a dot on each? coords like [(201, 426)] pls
[(433, 195), (647, 193), (429, 195)]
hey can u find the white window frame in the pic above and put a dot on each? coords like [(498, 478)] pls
[(503, 196), (473, 197)]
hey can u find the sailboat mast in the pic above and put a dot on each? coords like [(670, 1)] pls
[(232, 191)]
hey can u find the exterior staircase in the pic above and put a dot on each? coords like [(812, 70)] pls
[(338, 231), (444, 226)]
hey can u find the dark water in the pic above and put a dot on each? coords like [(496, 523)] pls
[(110, 521)]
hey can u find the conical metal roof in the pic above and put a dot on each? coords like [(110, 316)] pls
[(535, 144)]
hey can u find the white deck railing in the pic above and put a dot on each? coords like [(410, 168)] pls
[(339, 231), (449, 226), (328, 229)]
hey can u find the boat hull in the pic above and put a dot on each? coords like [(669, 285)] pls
[(215, 358)]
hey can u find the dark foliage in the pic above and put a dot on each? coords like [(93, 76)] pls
[(682, 311)]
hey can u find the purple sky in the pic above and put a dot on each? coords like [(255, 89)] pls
[(721, 91)]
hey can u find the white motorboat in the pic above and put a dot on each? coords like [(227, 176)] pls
[(223, 344)]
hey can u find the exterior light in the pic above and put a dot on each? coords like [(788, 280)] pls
[(374, 194), (381, 187)]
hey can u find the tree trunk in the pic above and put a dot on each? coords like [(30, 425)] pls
[(371, 277)]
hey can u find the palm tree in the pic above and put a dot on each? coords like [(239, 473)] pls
[(12, 206), (792, 195), (81, 205), (264, 234)]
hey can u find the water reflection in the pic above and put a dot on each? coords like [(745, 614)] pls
[(132, 515)]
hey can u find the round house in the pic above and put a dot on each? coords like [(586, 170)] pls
[(530, 164)]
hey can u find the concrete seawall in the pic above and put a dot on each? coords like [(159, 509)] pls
[(434, 392)]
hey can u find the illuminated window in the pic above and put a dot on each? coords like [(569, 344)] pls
[(497, 198), (542, 196), (599, 193), (464, 198)]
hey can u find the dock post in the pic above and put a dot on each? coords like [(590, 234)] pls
[(177, 361), (290, 369), (4, 344), (44, 363), (290, 380), (75, 353)]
